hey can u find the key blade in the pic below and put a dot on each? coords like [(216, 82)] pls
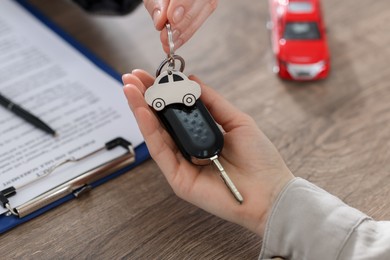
[(225, 177)]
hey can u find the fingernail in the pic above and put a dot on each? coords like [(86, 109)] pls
[(175, 35), (178, 43), (178, 14), (124, 76), (156, 16)]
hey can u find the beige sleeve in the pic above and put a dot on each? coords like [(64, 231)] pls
[(307, 222)]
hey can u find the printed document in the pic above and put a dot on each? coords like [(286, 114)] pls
[(45, 75)]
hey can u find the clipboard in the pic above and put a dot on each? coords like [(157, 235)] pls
[(90, 179)]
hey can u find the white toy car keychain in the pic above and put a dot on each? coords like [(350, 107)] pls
[(172, 87)]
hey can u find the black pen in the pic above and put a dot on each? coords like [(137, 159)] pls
[(19, 111)]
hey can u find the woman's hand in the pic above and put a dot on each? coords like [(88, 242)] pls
[(250, 159), (185, 17)]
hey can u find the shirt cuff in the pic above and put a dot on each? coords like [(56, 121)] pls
[(307, 222)]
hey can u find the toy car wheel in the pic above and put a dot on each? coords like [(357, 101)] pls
[(189, 100), (158, 104)]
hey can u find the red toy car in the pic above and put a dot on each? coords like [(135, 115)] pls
[(299, 39)]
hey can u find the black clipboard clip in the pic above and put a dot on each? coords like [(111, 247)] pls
[(75, 186)]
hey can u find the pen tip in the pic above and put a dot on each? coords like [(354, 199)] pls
[(55, 134)]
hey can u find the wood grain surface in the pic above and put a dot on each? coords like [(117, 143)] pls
[(335, 132)]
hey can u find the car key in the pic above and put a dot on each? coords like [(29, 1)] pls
[(197, 136), (176, 101)]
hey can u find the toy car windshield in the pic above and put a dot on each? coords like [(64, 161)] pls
[(301, 31)]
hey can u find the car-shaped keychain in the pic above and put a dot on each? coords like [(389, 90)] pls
[(172, 87)]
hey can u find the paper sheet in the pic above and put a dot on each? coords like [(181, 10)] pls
[(48, 77)]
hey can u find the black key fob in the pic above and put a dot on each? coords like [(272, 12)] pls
[(176, 101), (194, 131)]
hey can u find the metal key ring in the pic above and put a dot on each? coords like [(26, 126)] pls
[(170, 40), (169, 60)]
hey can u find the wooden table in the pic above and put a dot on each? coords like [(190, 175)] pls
[(335, 133)]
